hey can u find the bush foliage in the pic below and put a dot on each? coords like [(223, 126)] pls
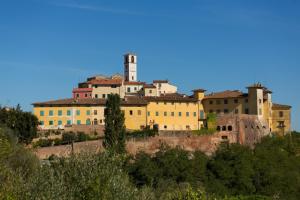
[(234, 172)]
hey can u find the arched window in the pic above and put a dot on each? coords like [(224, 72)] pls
[(224, 128), (95, 121), (132, 59)]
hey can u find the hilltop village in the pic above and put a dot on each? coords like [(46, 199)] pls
[(158, 104)]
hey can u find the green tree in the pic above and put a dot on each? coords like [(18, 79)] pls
[(114, 133), (231, 171), (23, 124)]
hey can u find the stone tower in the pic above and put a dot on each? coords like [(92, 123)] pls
[(130, 68), (256, 97)]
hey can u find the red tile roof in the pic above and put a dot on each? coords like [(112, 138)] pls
[(106, 82), (134, 83), (149, 86), (90, 102), (160, 81), (225, 94), (281, 106), (199, 90)]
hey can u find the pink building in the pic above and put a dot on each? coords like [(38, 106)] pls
[(82, 93)]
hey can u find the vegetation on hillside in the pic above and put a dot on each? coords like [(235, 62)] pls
[(234, 172), (268, 171), (23, 124)]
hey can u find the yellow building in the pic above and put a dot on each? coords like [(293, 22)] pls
[(60, 113), (169, 111), (281, 118), (172, 112)]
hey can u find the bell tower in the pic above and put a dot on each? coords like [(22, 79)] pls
[(130, 67)]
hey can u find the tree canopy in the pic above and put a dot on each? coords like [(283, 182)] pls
[(114, 133)]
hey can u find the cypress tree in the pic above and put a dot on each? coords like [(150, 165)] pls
[(114, 133)]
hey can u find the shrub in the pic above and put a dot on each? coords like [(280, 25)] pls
[(68, 137), (82, 137), (42, 143), (147, 132)]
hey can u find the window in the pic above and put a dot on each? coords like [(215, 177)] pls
[(165, 103), (139, 112), (201, 114), (135, 89), (78, 122), (77, 95), (230, 128), (101, 121), (218, 128), (281, 124), (128, 89), (236, 111), (225, 101), (246, 111), (113, 86), (103, 96), (95, 112), (130, 112), (224, 137), (148, 113), (51, 123), (95, 121), (96, 86), (77, 112), (132, 59), (211, 111), (156, 113), (165, 126), (211, 102), (69, 122), (88, 112), (259, 101), (225, 110), (96, 96), (280, 113), (85, 95), (195, 114), (59, 122), (150, 91), (223, 128), (42, 113), (236, 101), (165, 114), (179, 114), (88, 122), (172, 114), (218, 102), (42, 123), (60, 113), (188, 127), (50, 112), (218, 111), (187, 114)]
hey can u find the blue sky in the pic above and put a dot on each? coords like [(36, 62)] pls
[(48, 46)]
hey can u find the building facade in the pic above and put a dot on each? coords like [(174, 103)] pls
[(158, 104)]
